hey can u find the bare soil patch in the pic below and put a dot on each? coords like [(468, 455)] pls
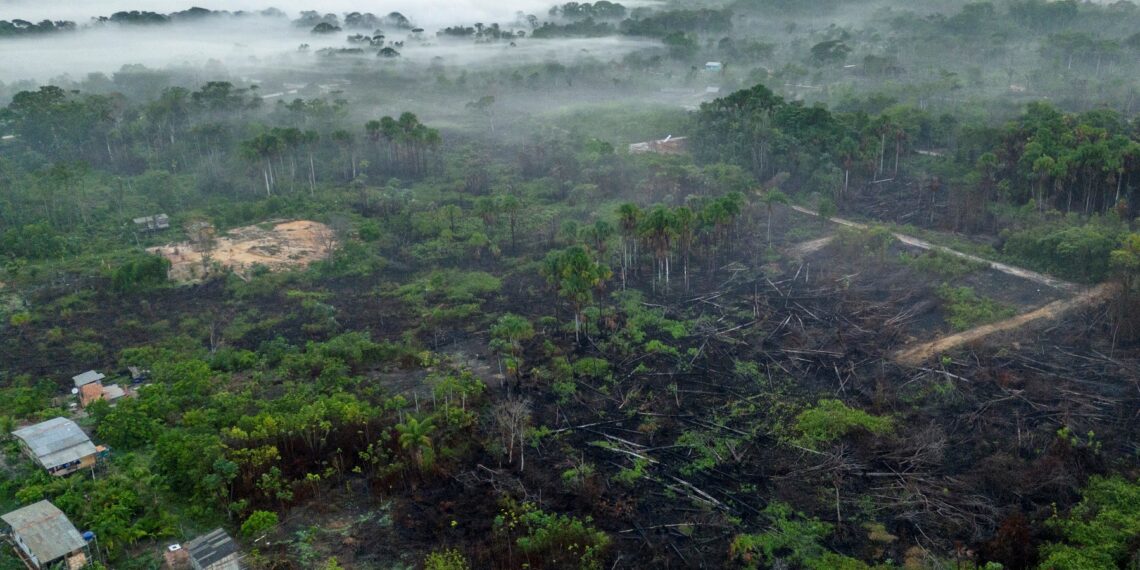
[(287, 245)]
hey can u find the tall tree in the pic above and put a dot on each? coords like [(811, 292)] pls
[(575, 276), (770, 199)]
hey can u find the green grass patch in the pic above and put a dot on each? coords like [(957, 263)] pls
[(945, 265), (965, 309)]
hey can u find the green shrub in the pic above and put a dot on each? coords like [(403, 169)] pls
[(140, 273), (450, 559), (258, 523), (1078, 252), (965, 310), (792, 537), (1100, 532), (945, 265), (33, 241), (829, 420), (559, 541)]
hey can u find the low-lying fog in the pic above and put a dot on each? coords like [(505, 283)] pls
[(244, 45), (426, 13)]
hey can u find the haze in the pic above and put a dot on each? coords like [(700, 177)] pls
[(427, 13)]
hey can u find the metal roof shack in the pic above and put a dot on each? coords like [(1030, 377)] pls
[(152, 223), (58, 445), (667, 145), (214, 551), (112, 392), (44, 536), (86, 378)]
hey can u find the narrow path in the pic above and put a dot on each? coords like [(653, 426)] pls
[(918, 354), (923, 244), (801, 249)]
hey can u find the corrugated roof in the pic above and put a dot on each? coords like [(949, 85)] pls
[(45, 530), (56, 442), (87, 378), (210, 548), (113, 392)]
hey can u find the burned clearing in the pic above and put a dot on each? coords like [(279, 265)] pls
[(683, 415)]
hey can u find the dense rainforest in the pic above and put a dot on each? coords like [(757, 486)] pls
[(721, 284)]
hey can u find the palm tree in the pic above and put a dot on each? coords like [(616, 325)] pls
[(685, 222), (310, 139), (507, 335), (415, 437), (629, 215), (598, 234), (848, 152), (262, 148), (658, 230), (344, 140), (512, 207), (770, 199)]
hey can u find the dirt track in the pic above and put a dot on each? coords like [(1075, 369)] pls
[(809, 247), (922, 244), (918, 354)]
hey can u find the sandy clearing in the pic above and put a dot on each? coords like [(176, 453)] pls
[(917, 355), (287, 245)]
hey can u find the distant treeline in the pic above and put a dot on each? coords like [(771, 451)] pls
[(353, 20), (17, 27), (26, 28), (659, 25)]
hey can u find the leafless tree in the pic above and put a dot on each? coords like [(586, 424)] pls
[(512, 418)]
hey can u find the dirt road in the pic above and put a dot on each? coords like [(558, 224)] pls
[(916, 355), (922, 244)]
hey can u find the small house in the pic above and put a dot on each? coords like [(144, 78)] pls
[(714, 66), (86, 378), (152, 223), (57, 445), (214, 551), (44, 537), (667, 145), (96, 391)]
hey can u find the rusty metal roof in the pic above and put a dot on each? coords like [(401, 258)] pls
[(45, 530)]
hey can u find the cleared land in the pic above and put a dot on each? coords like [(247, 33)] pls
[(286, 245), (926, 351), (916, 355)]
